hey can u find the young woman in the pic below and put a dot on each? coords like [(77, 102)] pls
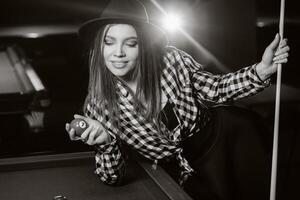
[(157, 100)]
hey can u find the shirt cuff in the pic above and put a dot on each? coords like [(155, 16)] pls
[(106, 148)]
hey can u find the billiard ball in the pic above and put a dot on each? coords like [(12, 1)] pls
[(60, 197), (79, 125)]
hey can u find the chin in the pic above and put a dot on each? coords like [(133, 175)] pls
[(120, 73), (123, 73)]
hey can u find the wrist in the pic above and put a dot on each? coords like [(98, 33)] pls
[(261, 72), (108, 139)]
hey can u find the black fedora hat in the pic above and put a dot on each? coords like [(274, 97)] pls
[(124, 12)]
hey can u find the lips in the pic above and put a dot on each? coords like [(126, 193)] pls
[(119, 64)]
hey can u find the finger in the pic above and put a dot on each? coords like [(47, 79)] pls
[(274, 44), (282, 56), (283, 43), (67, 127), (84, 135), (281, 61), (72, 134), (91, 137), (101, 138), (282, 50), (79, 116)]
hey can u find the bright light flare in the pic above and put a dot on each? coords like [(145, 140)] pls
[(32, 35), (172, 22)]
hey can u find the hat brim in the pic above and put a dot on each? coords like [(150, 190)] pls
[(88, 30)]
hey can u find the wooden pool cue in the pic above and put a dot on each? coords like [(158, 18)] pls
[(277, 109)]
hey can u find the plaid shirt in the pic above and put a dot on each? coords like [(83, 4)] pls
[(189, 89)]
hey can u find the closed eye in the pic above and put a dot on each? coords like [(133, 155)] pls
[(108, 42), (132, 43)]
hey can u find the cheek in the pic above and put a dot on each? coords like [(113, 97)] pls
[(134, 54), (106, 54)]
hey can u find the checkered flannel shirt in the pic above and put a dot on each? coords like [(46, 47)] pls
[(189, 88)]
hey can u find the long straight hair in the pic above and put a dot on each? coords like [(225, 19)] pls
[(102, 83)]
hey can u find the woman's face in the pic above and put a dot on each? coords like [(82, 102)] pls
[(120, 50)]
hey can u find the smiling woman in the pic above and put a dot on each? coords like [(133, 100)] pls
[(120, 52)]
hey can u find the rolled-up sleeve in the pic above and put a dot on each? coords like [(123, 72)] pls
[(232, 86), (214, 88), (110, 163)]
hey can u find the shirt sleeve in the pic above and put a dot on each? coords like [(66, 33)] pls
[(222, 88), (232, 86), (110, 163)]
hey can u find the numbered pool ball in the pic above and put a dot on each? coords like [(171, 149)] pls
[(60, 197), (79, 125)]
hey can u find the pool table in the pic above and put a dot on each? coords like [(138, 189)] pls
[(21, 89), (71, 175)]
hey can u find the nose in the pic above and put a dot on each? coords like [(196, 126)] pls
[(119, 51)]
